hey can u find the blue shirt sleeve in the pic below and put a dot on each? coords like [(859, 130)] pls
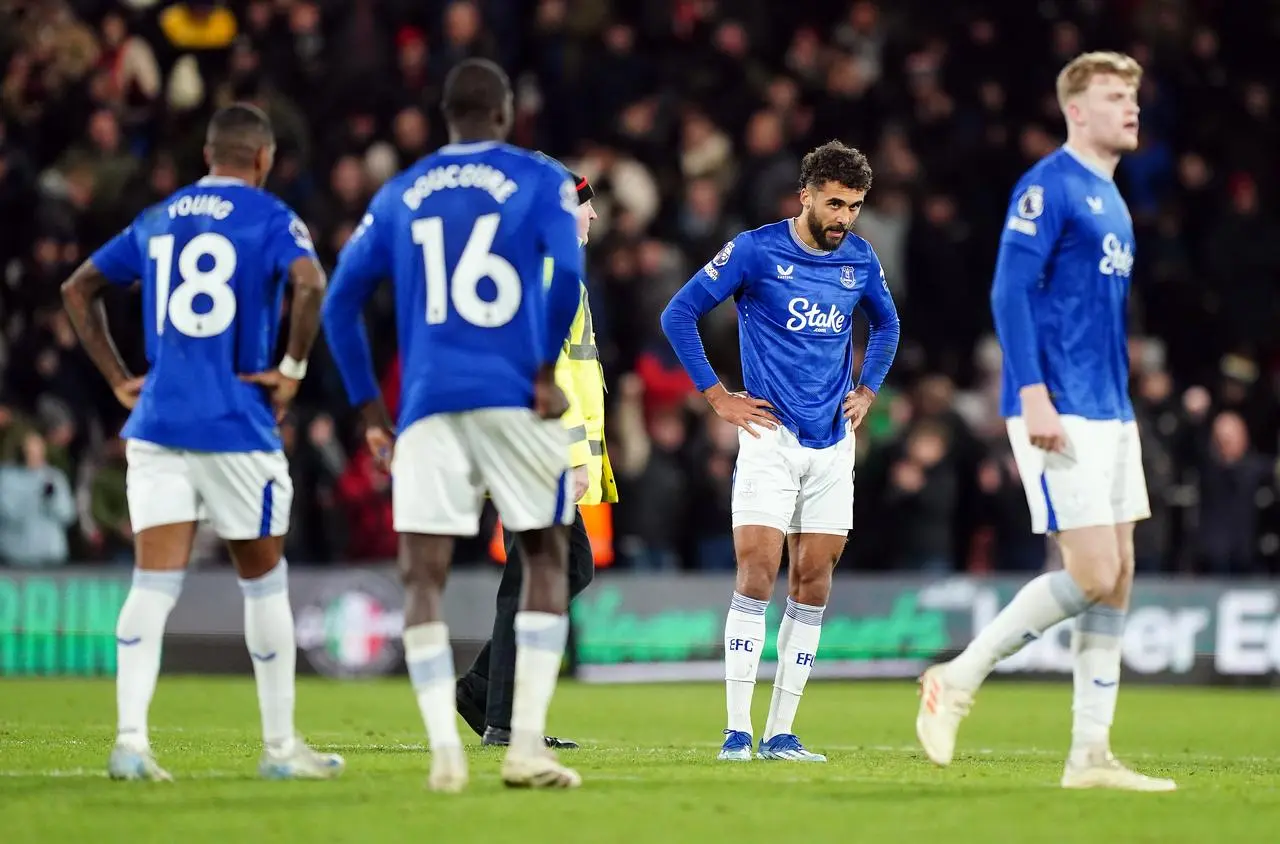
[(120, 259), (729, 272), (288, 241), (1031, 232), (882, 339), (364, 261), (725, 275), (555, 210)]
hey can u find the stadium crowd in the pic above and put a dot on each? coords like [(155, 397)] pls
[(690, 118)]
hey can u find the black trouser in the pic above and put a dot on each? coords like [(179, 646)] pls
[(492, 677)]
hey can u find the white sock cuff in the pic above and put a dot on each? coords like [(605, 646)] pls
[(748, 606), (1068, 594), (426, 637), (542, 631), (1101, 620), (805, 613), (272, 583), (427, 654), (165, 582)]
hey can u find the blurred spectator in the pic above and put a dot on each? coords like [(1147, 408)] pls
[(1231, 476), (103, 504), (690, 119), (364, 494), (651, 472), (922, 497), (317, 461), (36, 508)]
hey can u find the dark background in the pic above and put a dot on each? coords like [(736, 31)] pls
[(690, 117)]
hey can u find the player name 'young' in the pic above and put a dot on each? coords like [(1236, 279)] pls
[(201, 205), (482, 176)]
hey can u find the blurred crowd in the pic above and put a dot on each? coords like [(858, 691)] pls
[(690, 118)]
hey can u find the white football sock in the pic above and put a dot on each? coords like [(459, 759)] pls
[(1095, 647), (540, 641), (743, 642), (795, 663), (1039, 605), (139, 636), (429, 659), (784, 634), (268, 633)]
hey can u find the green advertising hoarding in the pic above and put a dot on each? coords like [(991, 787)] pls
[(52, 625), (634, 628), (653, 629)]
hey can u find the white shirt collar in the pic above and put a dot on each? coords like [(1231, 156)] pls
[(799, 241), (465, 149), (1092, 168), (221, 181)]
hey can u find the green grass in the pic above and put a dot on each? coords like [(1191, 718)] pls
[(649, 768)]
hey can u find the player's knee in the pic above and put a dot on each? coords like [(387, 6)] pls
[(544, 547), (423, 562), (1098, 576), (754, 585), (758, 550), (756, 576), (812, 584)]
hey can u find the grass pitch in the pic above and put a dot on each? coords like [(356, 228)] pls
[(649, 768)]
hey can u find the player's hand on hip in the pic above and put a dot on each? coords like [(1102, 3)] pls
[(382, 445), (581, 482), (744, 411), (1044, 425), (549, 401), (281, 388), (856, 404), (127, 392)]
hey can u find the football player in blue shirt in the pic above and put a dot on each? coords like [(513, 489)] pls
[(213, 260), (465, 234), (1060, 300), (797, 284)]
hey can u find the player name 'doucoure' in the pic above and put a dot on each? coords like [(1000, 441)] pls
[(481, 176), (201, 205)]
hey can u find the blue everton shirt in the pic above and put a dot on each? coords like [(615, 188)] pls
[(465, 235), (213, 260), (795, 316), (1061, 290)]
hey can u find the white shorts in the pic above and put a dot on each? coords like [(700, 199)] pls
[(1097, 481), (782, 484), (244, 495), (444, 464)]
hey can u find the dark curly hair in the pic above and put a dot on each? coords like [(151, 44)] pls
[(835, 162)]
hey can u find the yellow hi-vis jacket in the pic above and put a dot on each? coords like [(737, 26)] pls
[(580, 376)]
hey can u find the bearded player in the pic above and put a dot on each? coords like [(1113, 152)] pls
[(1060, 299), (796, 284)]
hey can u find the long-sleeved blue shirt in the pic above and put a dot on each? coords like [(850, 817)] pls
[(1061, 290), (466, 235), (795, 314)]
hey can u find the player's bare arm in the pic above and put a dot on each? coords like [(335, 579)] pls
[(742, 410), (308, 282), (82, 297)]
